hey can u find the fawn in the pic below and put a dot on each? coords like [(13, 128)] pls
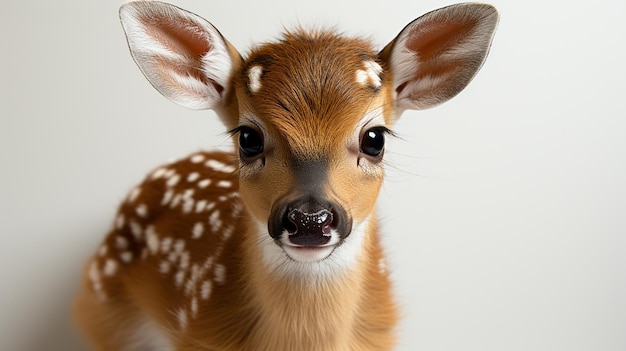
[(276, 245)]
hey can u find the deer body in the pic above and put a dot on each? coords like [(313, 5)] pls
[(275, 246)]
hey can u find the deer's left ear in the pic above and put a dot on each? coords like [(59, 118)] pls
[(437, 55)]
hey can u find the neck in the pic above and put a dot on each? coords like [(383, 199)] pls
[(315, 306)]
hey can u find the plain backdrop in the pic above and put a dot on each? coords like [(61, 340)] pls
[(503, 213)]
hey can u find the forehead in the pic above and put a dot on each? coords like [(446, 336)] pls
[(312, 88)]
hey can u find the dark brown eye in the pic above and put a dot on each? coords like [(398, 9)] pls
[(373, 141), (250, 142)]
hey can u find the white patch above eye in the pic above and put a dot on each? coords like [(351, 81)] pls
[(254, 78), (371, 118), (370, 74)]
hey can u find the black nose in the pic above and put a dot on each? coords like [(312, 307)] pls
[(308, 222), (308, 229)]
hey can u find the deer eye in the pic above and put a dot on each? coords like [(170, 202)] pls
[(373, 141), (250, 142)]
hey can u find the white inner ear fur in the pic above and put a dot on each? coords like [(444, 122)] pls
[(254, 78), (470, 47), (370, 75), (403, 61), (148, 51), (217, 63)]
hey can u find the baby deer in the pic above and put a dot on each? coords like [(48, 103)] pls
[(274, 246)]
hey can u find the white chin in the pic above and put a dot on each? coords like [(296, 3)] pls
[(308, 253)]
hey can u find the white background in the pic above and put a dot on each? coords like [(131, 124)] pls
[(504, 210)]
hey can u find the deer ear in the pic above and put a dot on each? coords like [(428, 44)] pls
[(182, 55), (437, 55)]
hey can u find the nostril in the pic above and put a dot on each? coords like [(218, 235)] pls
[(309, 223)]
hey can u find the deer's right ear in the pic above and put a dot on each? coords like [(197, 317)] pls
[(182, 55)]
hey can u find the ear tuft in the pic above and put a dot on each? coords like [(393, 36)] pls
[(437, 55), (182, 55)]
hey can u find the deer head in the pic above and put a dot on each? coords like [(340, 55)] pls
[(309, 114)]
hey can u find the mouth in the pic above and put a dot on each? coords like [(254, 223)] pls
[(308, 253)]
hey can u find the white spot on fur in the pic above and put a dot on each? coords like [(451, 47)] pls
[(159, 173), (210, 206), (179, 278), (224, 184), (173, 257), (181, 315), (197, 231), (188, 194), (167, 197), (192, 177), (195, 272), (188, 206), (134, 194), (204, 183), (121, 243), (220, 273), (94, 273), (205, 289), (166, 245), (110, 267), (361, 77), (220, 166), (228, 232), (173, 180), (135, 229), (179, 246), (102, 251), (185, 258), (96, 283), (370, 75), (142, 211), (208, 263), (169, 173), (214, 221), (254, 78), (119, 221), (200, 205), (191, 283), (189, 286), (126, 256), (197, 158), (237, 209), (194, 307), (176, 200), (153, 240), (164, 267)]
